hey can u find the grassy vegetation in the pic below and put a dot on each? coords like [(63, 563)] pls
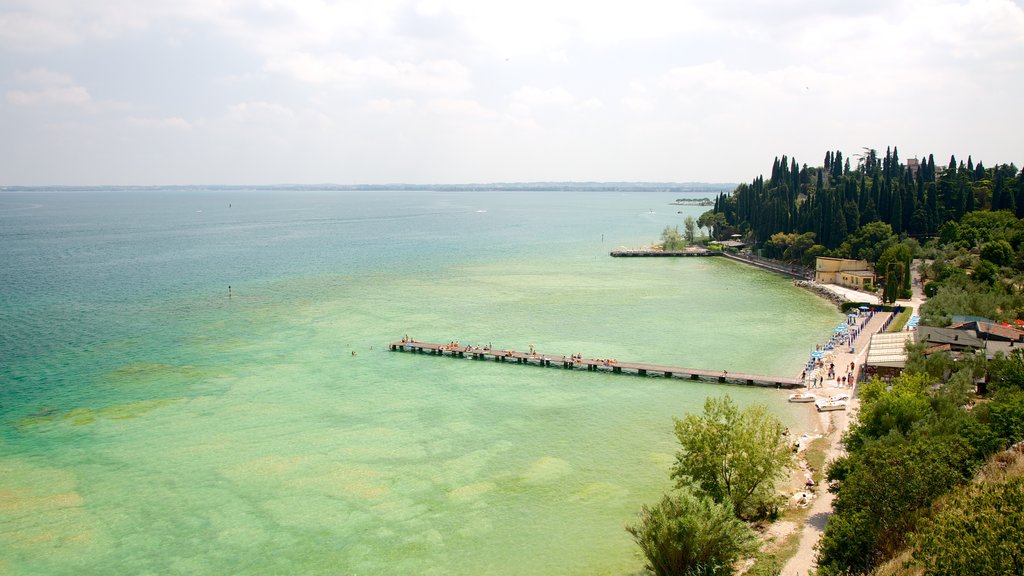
[(771, 563), (900, 320), (816, 455)]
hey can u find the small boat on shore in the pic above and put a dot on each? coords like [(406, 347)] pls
[(829, 405), (802, 397)]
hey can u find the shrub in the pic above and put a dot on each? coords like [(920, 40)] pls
[(690, 534), (980, 530)]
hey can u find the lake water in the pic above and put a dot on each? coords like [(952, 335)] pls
[(153, 423)]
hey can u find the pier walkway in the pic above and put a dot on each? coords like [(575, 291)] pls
[(593, 364)]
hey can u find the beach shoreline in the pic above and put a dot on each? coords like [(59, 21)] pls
[(831, 425)]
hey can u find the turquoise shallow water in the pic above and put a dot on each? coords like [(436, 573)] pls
[(151, 424)]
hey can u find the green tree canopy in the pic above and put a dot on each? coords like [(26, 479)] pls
[(671, 240), (733, 455), (879, 499), (689, 229), (998, 252), (715, 222), (690, 534), (886, 408), (868, 242), (894, 267)]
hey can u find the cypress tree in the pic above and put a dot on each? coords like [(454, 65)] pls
[(968, 192), (997, 194), (896, 219), (1020, 195), (909, 204)]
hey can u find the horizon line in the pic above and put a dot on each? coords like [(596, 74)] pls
[(385, 186)]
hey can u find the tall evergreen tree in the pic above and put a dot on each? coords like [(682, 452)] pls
[(1020, 194), (896, 219)]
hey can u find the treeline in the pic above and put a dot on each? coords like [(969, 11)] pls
[(835, 199)]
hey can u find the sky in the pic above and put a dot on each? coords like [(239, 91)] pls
[(151, 92)]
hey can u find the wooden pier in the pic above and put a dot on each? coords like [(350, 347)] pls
[(594, 364), (663, 253)]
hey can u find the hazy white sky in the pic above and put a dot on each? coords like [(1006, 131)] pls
[(457, 91)]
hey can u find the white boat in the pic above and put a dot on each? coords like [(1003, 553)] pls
[(826, 405), (839, 397), (802, 397)]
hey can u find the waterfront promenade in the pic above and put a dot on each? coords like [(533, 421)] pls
[(756, 261)]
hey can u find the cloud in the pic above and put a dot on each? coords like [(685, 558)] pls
[(173, 123), (462, 108), (391, 106), (529, 98), (570, 88), (52, 95), (344, 72), (48, 88), (258, 112)]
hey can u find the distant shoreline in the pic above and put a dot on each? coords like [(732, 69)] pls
[(667, 187)]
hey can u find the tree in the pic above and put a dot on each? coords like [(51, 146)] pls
[(985, 273), (998, 252), (889, 408), (690, 534), (801, 244), (713, 221), (869, 241), (732, 455), (689, 229), (880, 493), (893, 264), (670, 238)]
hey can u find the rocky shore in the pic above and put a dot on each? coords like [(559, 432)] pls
[(821, 290)]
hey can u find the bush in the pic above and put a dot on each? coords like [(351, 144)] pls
[(690, 534), (883, 491), (980, 530)]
